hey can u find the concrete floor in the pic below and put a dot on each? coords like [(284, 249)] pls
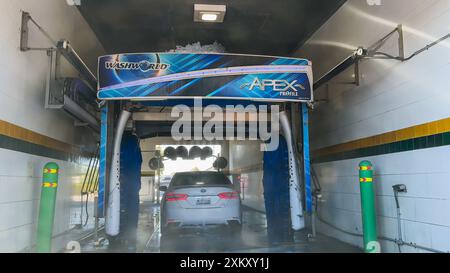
[(253, 238)]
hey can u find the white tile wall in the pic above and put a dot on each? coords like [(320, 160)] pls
[(392, 95), (22, 103), (423, 208), (19, 198)]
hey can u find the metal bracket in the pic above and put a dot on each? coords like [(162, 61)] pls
[(373, 52), (24, 34), (53, 100), (362, 53), (401, 42), (356, 72), (24, 31), (326, 99)]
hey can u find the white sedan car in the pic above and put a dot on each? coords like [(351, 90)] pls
[(200, 199)]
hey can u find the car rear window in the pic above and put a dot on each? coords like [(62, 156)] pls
[(199, 179)]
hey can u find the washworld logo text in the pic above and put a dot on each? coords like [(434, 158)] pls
[(144, 65)]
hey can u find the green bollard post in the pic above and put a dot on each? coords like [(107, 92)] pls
[(368, 210), (47, 207)]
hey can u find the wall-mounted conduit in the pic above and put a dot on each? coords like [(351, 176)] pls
[(373, 52)]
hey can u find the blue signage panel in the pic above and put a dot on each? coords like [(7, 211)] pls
[(144, 76)]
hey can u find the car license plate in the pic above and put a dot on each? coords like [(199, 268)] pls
[(203, 201)]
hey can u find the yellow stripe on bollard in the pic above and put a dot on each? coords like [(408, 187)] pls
[(50, 171), (365, 179), (365, 168), (49, 185)]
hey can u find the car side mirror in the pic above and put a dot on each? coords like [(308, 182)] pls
[(163, 188)]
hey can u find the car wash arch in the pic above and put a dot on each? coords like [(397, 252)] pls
[(130, 84)]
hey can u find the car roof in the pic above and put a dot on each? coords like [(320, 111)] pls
[(198, 172)]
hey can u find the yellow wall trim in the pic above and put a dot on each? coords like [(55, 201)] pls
[(17, 132), (426, 129)]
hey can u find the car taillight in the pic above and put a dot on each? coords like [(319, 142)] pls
[(229, 195), (170, 196)]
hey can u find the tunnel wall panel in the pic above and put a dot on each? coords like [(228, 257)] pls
[(30, 135), (399, 114), (246, 160)]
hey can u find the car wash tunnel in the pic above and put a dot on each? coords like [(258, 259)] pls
[(306, 126), (216, 145)]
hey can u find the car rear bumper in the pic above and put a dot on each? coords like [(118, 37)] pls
[(182, 217)]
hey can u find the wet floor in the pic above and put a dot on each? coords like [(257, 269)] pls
[(252, 238), (213, 239)]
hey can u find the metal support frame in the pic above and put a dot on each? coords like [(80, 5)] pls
[(103, 166), (306, 158), (373, 53), (107, 123), (55, 97), (401, 42), (71, 55), (373, 49), (52, 101), (356, 72), (353, 59), (24, 31), (364, 53)]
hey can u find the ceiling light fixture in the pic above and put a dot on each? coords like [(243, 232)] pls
[(209, 16), (209, 13), (73, 2)]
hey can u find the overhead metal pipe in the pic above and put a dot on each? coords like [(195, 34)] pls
[(71, 55), (342, 66)]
